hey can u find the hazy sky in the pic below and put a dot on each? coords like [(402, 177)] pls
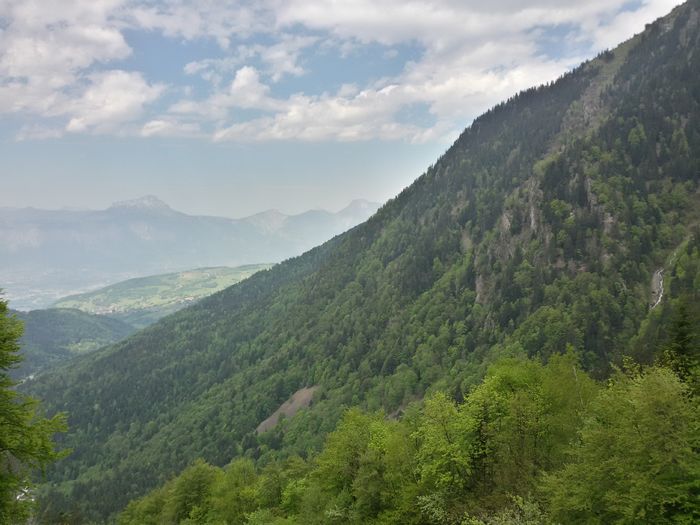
[(229, 108)]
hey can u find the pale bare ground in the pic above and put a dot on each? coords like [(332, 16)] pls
[(657, 287), (300, 399)]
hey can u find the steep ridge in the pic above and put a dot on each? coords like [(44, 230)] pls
[(529, 234)]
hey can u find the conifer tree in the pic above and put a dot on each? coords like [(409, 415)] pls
[(25, 436)]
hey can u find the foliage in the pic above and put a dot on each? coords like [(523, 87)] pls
[(56, 335), (531, 444), (682, 350), (538, 231), (636, 460), (25, 436)]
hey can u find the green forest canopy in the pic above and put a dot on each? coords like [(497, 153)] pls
[(538, 231), (26, 438)]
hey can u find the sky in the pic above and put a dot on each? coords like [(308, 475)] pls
[(233, 107)]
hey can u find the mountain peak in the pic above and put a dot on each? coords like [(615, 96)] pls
[(268, 221), (147, 202), (360, 206)]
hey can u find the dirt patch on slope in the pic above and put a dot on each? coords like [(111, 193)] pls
[(657, 288), (300, 399)]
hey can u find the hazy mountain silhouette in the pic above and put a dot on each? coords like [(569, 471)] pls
[(47, 254)]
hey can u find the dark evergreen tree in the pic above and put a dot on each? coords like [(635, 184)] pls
[(25, 436)]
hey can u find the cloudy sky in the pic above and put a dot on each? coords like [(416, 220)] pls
[(229, 108)]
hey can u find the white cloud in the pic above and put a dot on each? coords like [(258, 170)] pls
[(279, 59), (47, 51), (363, 116), (113, 97), (438, 24), (628, 23), (200, 19), (34, 132), (61, 61), (282, 58), (473, 57), (46, 45), (170, 128), (245, 91)]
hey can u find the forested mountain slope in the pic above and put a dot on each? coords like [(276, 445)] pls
[(58, 334), (539, 229)]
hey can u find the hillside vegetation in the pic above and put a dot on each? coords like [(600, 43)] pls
[(26, 437), (142, 301), (532, 444), (55, 335), (536, 234)]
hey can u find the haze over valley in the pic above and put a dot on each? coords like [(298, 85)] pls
[(48, 254)]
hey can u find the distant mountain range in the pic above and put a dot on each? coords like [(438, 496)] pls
[(48, 254)]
